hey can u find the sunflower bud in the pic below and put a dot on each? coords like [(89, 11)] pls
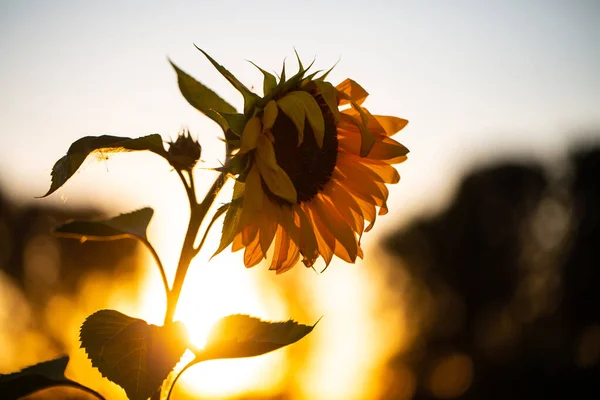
[(184, 152)]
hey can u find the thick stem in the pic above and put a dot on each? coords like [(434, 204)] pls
[(188, 250)]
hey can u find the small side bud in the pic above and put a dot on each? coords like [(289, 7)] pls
[(184, 152)]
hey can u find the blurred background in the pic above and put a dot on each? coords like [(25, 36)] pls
[(482, 282)]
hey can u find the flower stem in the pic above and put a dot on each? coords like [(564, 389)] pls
[(188, 251)]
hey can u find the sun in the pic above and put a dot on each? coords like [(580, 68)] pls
[(212, 291)]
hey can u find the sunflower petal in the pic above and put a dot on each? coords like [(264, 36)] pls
[(250, 135), (325, 241), (367, 138), (249, 233), (270, 115), (308, 241), (253, 254), (336, 225), (384, 148), (286, 252), (353, 90), (329, 95), (299, 105), (294, 109), (346, 205), (391, 125), (277, 180), (268, 227), (237, 243)]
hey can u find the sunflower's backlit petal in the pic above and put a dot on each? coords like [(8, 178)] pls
[(237, 243), (365, 200), (391, 125), (295, 110), (250, 136), (253, 197), (282, 245), (270, 115), (369, 212), (253, 254), (384, 148), (278, 182), (385, 171), (267, 227), (325, 241), (249, 234), (291, 259), (367, 137), (342, 253), (330, 96), (308, 241), (361, 255), (351, 118), (353, 90), (362, 187), (346, 205), (286, 219), (336, 225)]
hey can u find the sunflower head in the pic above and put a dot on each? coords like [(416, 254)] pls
[(310, 166)]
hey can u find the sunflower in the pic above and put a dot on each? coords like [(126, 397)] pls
[(311, 167)]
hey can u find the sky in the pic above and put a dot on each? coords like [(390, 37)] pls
[(479, 82)]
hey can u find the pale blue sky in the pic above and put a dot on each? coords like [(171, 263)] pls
[(477, 80)]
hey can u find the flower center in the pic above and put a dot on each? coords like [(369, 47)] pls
[(308, 166)]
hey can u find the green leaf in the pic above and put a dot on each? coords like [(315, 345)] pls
[(37, 377), (65, 167), (235, 121), (232, 218), (202, 98), (130, 352), (269, 81), (131, 225), (249, 98), (239, 335)]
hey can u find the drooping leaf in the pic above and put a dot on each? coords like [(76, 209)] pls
[(202, 98), (132, 353), (239, 335), (38, 377), (249, 98), (65, 167), (130, 225)]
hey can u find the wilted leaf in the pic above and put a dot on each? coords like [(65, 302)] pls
[(202, 98), (239, 335), (40, 376), (130, 352), (80, 149), (130, 225)]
